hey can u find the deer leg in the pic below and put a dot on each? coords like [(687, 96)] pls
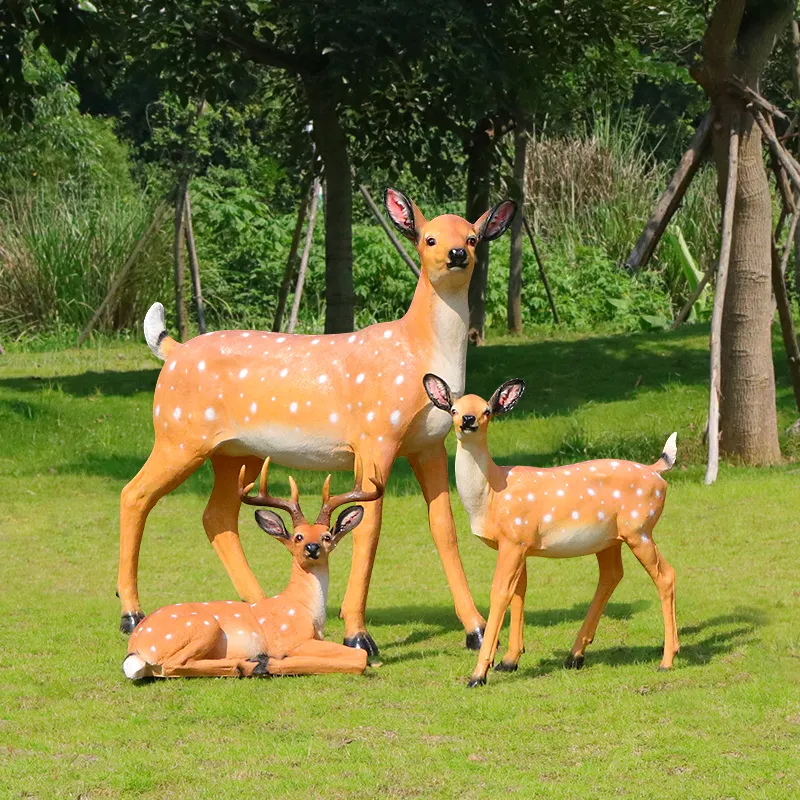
[(510, 564), (516, 642), (430, 469), (319, 658), (365, 545), (208, 668), (221, 521), (645, 550), (165, 469), (610, 563)]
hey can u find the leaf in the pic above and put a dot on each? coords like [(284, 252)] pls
[(86, 5)]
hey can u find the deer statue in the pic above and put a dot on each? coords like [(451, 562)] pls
[(317, 402), (561, 512), (281, 635)]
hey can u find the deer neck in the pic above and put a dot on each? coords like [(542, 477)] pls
[(475, 474), (308, 588), (440, 315)]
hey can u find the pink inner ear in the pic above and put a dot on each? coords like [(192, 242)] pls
[(500, 219), (509, 395), (438, 392), (398, 209)]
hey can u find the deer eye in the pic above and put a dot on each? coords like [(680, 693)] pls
[(326, 537), (472, 241), (487, 412), (430, 241), (299, 537)]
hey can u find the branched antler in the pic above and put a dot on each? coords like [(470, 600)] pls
[(264, 499), (355, 495)]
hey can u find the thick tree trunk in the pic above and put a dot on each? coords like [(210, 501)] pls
[(479, 182), (331, 145), (517, 232), (738, 42)]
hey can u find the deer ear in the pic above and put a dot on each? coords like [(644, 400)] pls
[(438, 391), (404, 214), (495, 221), (348, 520), (271, 523), (506, 397)]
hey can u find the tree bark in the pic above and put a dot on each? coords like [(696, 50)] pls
[(288, 272), (331, 145), (738, 42), (796, 87), (177, 252), (514, 305), (787, 323), (194, 265)]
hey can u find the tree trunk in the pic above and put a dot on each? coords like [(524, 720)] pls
[(517, 232), (738, 42), (331, 145), (796, 88), (194, 265), (177, 251), (479, 181), (301, 272)]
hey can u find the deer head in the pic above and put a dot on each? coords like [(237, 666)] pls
[(446, 245), (309, 544)]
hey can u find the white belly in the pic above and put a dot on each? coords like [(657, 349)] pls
[(290, 448), (567, 541)]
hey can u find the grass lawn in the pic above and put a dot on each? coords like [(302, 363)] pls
[(725, 723)]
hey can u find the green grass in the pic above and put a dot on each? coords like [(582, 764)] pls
[(725, 723)]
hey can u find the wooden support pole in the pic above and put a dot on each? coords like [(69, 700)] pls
[(301, 272), (692, 299), (194, 265), (785, 159), (389, 232), (712, 466), (540, 264), (178, 263), (671, 198), (785, 316), (155, 224)]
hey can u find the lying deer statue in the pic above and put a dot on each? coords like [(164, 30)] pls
[(316, 402), (281, 635), (562, 512)]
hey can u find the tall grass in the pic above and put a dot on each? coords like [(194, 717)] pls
[(60, 249)]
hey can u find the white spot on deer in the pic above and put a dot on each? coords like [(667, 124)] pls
[(284, 372), (394, 418), (253, 408), (206, 622), (567, 472), (614, 464), (531, 496), (189, 624), (323, 379), (591, 492), (172, 365), (518, 521), (284, 627), (360, 377), (634, 514), (616, 493), (243, 373), (639, 492), (548, 517), (658, 492), (168, 636), (177, 413), (174, 616), (290, 612), (334, 418), (157, 411), (575, 515), (308, 402), (315, 341), (210, 414), (240, 633), (293, 408), (245, 335), (507, 496), (651, 513), (153, 649), (399, 379), (601, 516), (262, 620), (540, 473), (201, 365), (237, 615), (387, 334), (560, 492), (281, 339), (149, 630), (370, 416), (592, 469)]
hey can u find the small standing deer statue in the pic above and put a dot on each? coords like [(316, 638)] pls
[(562, 512), (317, 402), (281, 635)]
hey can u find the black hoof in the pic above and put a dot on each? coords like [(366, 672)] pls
[(475, 639), (262, 664), (506, 666), (473, 682), (573, 662), (362, 641), (129, 621)]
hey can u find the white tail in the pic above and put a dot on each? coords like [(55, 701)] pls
[(670, 452), (155, 329), (135, 667)]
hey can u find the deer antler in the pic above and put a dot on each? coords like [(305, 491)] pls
[(264, 499), (355, 495)]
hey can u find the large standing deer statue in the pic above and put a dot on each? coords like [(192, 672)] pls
[(318, 402), (561, 512)]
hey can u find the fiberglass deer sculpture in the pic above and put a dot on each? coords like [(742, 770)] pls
[(561, 512), (281, 635), (236, 397)]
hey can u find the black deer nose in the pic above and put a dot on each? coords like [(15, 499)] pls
[(312, 550), (468, 421), (457, 256)]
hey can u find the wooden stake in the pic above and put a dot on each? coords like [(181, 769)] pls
[(389, 232), (719, 302), (301, 272), (155, 224), (194, 265), (785, 316), (692, 299), (786, 161), (540, 264), (288, 272), (177, 253), (671, 198)]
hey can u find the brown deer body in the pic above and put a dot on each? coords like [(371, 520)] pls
[(317, 402), (281, 635), (581, 509)]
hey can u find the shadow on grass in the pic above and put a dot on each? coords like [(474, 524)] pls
[(111, 383)]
